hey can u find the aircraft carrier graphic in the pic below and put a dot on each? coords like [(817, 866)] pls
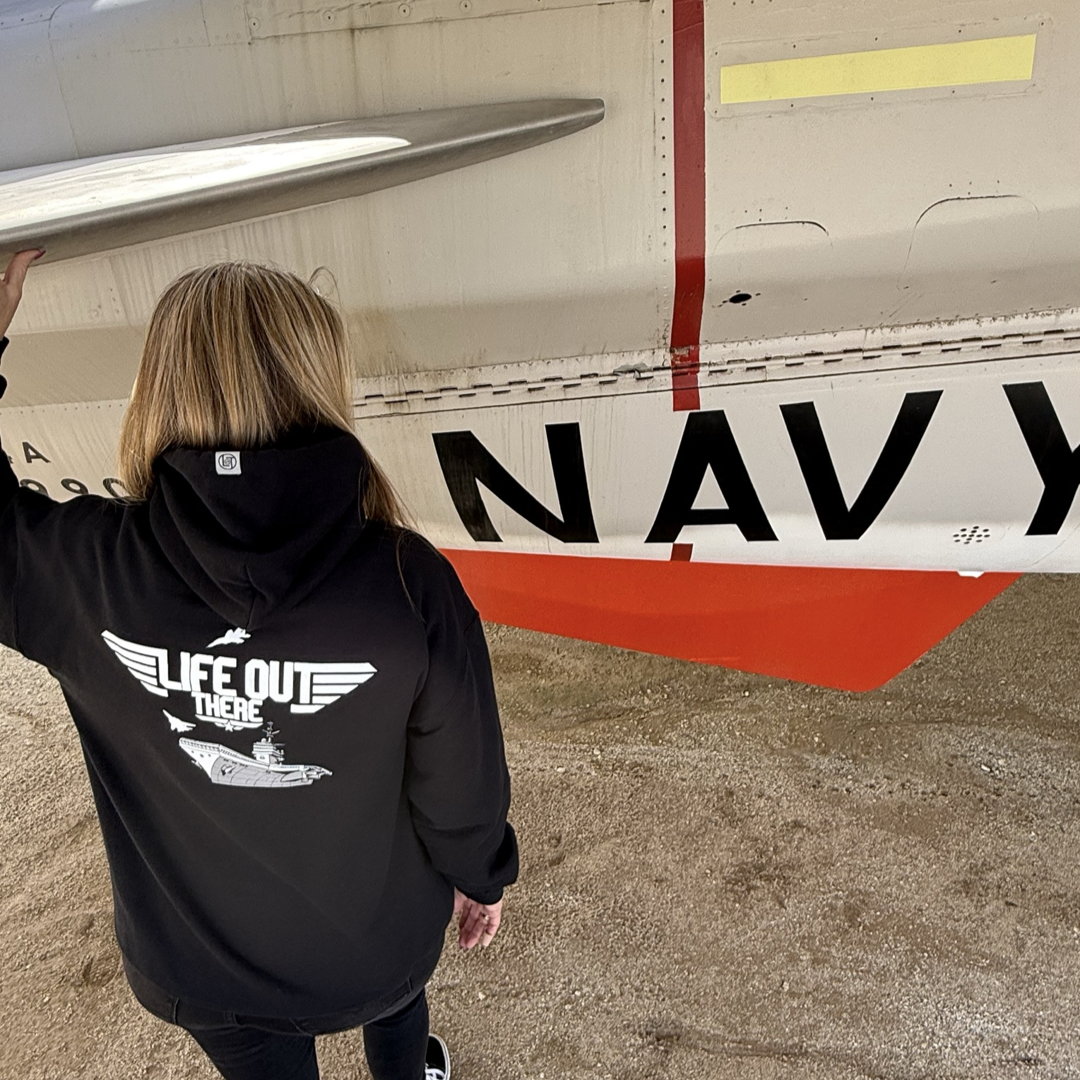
[(265, 768)]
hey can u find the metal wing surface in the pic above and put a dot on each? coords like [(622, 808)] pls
[(89, 205)]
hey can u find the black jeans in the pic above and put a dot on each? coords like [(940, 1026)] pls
[(271, 1048)]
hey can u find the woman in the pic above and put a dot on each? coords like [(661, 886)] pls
[(284, 698)]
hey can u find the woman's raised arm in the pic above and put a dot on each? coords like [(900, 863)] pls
[(11, 290), (11, 287)]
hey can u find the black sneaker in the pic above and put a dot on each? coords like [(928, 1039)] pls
[(437, 1062)]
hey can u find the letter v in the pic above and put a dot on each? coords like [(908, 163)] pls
[(838, 522)]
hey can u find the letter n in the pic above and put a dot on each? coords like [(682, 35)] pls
[(707, 443), (466, 464)]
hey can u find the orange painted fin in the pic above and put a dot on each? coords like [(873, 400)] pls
[(848, 629)]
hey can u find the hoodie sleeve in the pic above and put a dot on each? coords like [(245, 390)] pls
[(41, 576), (456, 776), (8, 483), (9, 487)]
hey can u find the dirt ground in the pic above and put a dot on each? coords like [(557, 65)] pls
[(724, 876)]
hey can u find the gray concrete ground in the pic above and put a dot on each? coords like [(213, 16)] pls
[(724, 876)]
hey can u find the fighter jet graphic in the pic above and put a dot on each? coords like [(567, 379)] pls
[(230, 637), (176, 723)]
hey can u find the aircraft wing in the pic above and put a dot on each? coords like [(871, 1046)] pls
[(89, 205)]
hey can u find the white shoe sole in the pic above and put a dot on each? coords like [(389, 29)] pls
[(445, 1051)]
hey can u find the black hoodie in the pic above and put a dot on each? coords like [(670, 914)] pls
[(288, 719)]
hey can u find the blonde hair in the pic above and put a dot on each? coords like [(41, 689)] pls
[(237, 354)]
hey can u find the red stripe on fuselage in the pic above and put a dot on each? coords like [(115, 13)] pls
[(688, 129)]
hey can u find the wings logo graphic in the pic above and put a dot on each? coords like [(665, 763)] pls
[(323, 684), (226, 694), (146, 663)]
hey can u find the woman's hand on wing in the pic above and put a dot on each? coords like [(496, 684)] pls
[(11, 285), (477, 923)]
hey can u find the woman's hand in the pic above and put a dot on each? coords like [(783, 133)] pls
[(11, 286), (478, 923)]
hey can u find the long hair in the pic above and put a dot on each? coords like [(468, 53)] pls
[(237, 354)]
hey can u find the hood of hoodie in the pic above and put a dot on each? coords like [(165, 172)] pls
[(257, 533)]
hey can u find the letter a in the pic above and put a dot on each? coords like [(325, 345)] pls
[(707, 443), (32, 454)]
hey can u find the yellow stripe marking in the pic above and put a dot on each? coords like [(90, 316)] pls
[(959, 63)]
